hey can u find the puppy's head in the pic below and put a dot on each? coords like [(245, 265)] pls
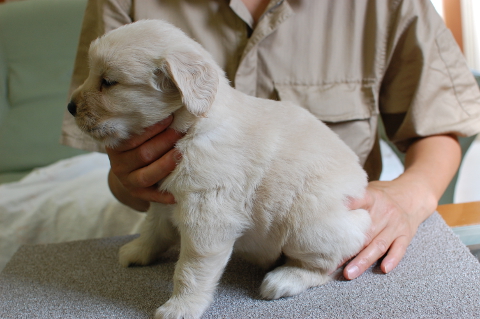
[(139, 74)]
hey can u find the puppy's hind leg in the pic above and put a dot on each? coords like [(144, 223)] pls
[(157, 235), (291, 279), (314, 250)]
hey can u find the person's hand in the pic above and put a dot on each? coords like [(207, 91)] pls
[(141, 162), (397, 208)]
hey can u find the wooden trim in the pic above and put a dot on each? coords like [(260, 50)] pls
[(462, 214), (452, 14)]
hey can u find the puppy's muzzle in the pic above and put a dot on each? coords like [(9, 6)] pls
[(72, 108)]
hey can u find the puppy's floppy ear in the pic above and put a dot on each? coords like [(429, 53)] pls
[(196, 79)]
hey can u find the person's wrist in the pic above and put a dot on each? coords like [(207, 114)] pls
[(419, 193)]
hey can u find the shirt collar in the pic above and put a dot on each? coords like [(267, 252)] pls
[(242, 12)]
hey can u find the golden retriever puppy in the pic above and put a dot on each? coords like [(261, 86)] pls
[(264, 178)]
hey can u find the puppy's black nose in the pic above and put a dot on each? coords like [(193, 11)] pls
[(72, 108)]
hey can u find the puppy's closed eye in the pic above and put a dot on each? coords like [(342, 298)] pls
[(106, 83)]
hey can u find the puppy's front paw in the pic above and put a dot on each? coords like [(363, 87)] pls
[(180, 309), (136, 252)]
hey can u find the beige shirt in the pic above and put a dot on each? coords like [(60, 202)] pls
[(346, 61)]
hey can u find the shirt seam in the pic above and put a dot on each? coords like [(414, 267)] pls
[(455, 92), (365, 82)]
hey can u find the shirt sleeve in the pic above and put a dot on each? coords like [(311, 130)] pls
[(100, 17), (427, 88)]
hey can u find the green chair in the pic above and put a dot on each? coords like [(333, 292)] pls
[(38, 40)]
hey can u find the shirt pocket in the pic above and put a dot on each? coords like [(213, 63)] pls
[(332, 103), (349, 109)]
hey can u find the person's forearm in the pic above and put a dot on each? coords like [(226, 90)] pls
[(430, 164), (123, 196)]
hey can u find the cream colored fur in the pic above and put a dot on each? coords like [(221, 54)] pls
[(262, 177)]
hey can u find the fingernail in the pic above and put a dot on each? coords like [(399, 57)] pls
[(388, 267), (178, 156), (353, 272)]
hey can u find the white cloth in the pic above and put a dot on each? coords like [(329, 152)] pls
[(68, 200)]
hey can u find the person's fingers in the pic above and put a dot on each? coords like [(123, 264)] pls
[(156, 147), (395, 254), (144, 160), (123, 164), (136, 140), (150, 175), (144, 182), (368, 256)]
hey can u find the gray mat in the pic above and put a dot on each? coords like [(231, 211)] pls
[(438, 278)]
